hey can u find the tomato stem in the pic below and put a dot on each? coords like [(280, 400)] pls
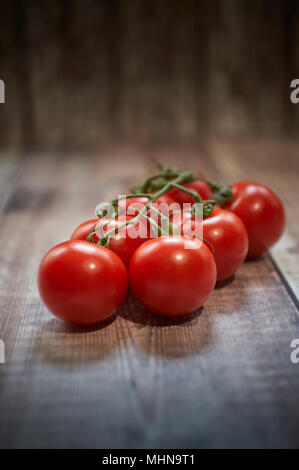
[(167, 179), (222, 194)]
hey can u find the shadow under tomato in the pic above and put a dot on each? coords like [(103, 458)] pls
[(134, 311), (67, 349), (67, 344), (259, 258), (60, 326), (225, 283), (167, 337)]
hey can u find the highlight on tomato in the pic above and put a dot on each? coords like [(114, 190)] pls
[(81, 282), (174, 273), (172, 276), (131, 205), (123, 241), (262, 213), (200, 187), (84, 229), (226, 236)]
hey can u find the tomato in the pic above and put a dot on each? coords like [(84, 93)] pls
[(82, 232), (165, 198), (129, 204), (226, 236), (165, 204), (81, 282), (172, 276), (123, 243), (201, 187), (261, 212)]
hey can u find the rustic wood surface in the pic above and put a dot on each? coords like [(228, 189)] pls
[(220, 378), (79, 72)]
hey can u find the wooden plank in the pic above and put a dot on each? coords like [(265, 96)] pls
[(221, 378), (285, 257), (275, 163), (78, 73), (9, 167), (10, 112), (242, 98), (70, 93)]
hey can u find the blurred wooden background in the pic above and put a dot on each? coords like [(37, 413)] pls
[(95, 92), (82, 72), (219, 378)]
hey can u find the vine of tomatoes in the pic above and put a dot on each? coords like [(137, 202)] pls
[(147, 239)]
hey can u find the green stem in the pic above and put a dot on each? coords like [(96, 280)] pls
[(175, 182), (222, 194), (165, 175), (152, 198), (128, 196), (168, 228), (193, 194)]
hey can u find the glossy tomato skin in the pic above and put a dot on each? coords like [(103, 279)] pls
[(165, 198), (261, 212), (226, 236), (172, 276), (132, 205), (81, 282), (123, 243), (164, 204), (201, 187), (83, 230), (226, 233)]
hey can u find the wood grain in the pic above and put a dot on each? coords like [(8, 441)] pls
[(219, 378), (79, 73), (277, 164)]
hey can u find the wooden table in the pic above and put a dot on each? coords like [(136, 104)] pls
[(222, 378)]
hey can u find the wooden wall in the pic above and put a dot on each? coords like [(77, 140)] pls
[(81, 72)]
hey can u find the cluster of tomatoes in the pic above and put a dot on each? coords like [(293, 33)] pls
[(147, 240)]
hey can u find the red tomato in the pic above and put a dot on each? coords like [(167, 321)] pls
[(180, 219), (172, 276), (164, 204), (122, 243), (261, 212), (131, 203), (82, 283), (125, 242), (165, 198), (82, 232), (201, 187), (226, 236)]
